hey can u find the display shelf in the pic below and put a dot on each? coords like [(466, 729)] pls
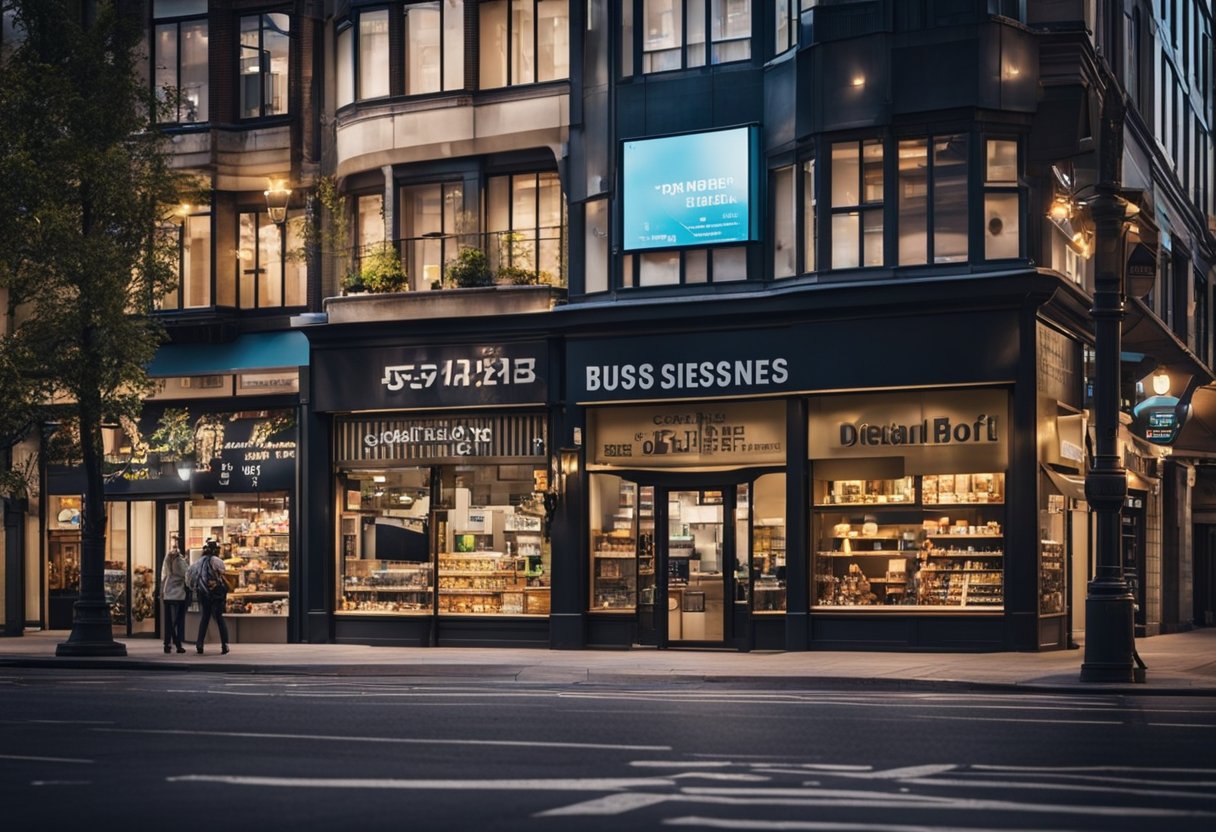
[(385, 586), (929, 558)]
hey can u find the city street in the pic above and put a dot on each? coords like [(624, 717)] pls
[(237, 751)]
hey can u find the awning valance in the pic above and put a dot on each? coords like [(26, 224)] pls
[(254, 351)]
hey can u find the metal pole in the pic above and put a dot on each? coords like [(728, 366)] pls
[(1109, 625)]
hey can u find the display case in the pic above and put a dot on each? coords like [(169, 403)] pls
[(255, 545), (902, 550), (482, 583), (622, 545), (615, 577), (386, 586)]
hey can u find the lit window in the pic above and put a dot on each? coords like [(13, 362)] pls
[(270, 273), (933, 200), (1002, 200), (525, 43), (180, 62), (190, 237), (373, 54), (265, 40), (434, 47), (676, 34), (525, 221), (856, 199)]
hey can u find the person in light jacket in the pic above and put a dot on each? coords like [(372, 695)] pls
[(173, 593)]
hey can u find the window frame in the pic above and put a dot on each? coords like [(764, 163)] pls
[(262, 70), (931, 198), (635, 63), (444, 47), (176, 22), (1015, 187), (860, 208), (511, 58), (178, 229), (261, 215)]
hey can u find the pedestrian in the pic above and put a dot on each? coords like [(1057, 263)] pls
[(206, 577), (173, 593)]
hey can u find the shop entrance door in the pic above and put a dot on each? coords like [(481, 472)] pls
[(695, 565)]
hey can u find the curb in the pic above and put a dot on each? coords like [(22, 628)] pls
[(588, 675)]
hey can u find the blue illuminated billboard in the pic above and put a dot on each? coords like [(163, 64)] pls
[(697, 189)]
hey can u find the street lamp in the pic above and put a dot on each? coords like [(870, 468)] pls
[(1110, 640), (277, 197)]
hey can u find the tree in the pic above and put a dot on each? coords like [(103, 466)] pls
[(84, 184)]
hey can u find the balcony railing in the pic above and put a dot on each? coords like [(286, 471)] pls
[(446, 261)]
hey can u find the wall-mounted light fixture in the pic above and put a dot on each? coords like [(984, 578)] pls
[(1161, 381), (859, 80), (277, 198)]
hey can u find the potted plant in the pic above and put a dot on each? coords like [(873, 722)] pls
[(515, 261), (468, 269), (381, 269)]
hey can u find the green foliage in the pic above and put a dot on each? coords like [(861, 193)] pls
[(468, 269), (381, 269), (85, 190), (515, 261), (174, 435)]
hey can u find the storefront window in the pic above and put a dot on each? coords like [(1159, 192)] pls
[(878, 545), (384, 543), (482, 525), (1052, 534), (255, 544), (908, 500), (622, 544), (768, 543)]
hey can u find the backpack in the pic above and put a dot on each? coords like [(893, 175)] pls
[(204, 580)]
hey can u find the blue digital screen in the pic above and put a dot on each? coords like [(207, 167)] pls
[(690, 190)]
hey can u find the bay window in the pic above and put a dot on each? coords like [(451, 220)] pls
[(679, 34), (180, 60), (190, 237), (856, 204), (932, 200), (1002, 200), (523, 42), (430, 221), (270, 273), (263, 73), (525, 218), (372, 70), (434, 47)]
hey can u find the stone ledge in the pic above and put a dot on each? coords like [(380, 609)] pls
[(443, 303)]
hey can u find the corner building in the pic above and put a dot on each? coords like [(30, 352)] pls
[(757, 325)]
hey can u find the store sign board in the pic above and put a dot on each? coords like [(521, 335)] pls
[(235, 452), (395, 378), (691, 190), (703, 434), (933, 431), (441, 438), (1159, 419)]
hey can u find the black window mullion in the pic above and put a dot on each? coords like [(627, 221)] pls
[(510, 54), (930, 222), (177, 76)]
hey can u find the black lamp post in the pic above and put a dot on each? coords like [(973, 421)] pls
[(1110, 642)]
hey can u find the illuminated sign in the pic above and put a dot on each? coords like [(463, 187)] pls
[(697, 189)]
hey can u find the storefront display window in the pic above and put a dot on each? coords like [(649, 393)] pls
[(768, 542), (908, 501), (1052, 533), (481, 527), (255, 544), (622, 544), (904, 553)]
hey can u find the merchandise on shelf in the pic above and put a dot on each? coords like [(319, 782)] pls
[(902, 553)]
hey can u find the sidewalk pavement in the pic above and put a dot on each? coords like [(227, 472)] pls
[(1178, 664)]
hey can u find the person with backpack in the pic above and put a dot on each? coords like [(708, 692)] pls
[(206, 578), (173, 593)]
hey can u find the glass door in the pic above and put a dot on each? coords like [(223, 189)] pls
[(696, 561)]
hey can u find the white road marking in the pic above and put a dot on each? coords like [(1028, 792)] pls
[(1097, 778), (1064, 787), (613, 804), (61, 782), (681, 763), (816, 826), (574, 784), (1009, 719), (904, 773), (65, 721), (1179, 725), (1054, 769), (44, 759), (400, 740)]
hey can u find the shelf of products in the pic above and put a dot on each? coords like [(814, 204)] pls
[(1051, 577), (903, 552), (386, 586), (255, 546), (615, 578), (485, 582)]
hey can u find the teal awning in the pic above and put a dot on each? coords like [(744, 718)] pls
[(256, 351)]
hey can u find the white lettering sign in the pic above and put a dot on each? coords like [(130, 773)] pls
[(687, 375), (460, 372)]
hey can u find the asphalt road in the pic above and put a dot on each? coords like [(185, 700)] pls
[(131, 751)]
